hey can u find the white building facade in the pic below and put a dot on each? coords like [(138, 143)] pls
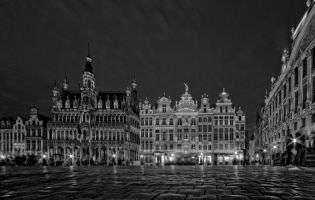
[(188, 132)]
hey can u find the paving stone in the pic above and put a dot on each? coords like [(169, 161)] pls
[(247, 192), (195, 192), (202, 197), (265, 198), (297, 198), (170, 196), (276, 193), (234, 197), (142, 196), (169, 182)]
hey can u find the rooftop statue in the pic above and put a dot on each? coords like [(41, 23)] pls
[(186, 87)]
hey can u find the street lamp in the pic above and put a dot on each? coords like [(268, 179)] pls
[(274, 146), (71, 156), (265, 150), (294, 140)]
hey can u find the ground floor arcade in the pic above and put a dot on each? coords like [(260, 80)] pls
[(91, 154), (207, 158)]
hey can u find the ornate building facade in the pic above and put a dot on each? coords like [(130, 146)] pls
[(89, 125), (287, 119), (190, 132), (20, 136), (6, 137), (12, 137), (36, 137)]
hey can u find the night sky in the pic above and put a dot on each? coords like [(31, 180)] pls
[(209, 44)]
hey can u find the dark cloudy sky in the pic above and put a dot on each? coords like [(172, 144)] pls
[(210, 44)]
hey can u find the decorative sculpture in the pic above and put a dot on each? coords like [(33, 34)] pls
[(186, 87)]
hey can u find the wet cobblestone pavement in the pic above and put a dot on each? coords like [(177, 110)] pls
[(169, 182)]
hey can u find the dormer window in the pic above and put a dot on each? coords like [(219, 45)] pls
[(100, 104), (164, 108), (193, 121), (67, 103), (116, 104), (107, 104)]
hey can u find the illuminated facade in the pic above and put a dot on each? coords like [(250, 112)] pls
[(92, 126), (23, 137), (287, 122), (12, 137), (188, 132), (35, 137)]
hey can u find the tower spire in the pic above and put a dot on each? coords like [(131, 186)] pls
[(88, 65), (88, 49), (65, 83), (134, 82)]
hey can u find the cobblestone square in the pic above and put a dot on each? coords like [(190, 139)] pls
[(169, 182)]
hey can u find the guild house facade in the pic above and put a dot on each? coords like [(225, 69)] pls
[(186, 131), (23, 137), (93, 126)]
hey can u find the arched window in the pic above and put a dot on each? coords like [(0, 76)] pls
[(89, 84)]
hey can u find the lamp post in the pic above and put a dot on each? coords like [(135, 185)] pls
[(201, 158), (71, 157), (141, 159), (235, 158), (294, 149), (264, 156), (114, 158), (274, 153)]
